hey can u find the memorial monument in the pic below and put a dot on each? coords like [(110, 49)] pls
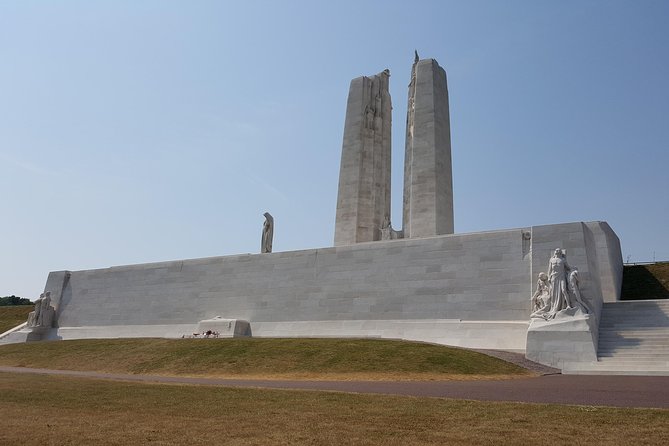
[(363, 203), (428, 178), (421, 282)]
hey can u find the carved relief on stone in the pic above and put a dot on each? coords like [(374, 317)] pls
[(558, 290), (387, 231), (369, 117)]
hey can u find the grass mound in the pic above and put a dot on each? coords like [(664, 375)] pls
[(646, 281), (12, 316), (261, 358)]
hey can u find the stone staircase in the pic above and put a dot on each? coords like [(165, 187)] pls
[(633, 340)]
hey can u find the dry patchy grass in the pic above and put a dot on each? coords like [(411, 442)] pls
[(11, 316), (42, 410), (262, 358)]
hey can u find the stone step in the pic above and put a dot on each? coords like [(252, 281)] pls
[(659, 312), (631, 327), (638, 310), (633, 340), (635, 311), (641, 348), (637, 355), (636, 315), (634, 333), (629, 346), (637, 302), (645, 334), (628, 339), (641, 322), (630, 362)]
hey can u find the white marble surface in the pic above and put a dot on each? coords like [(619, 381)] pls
[(480, 278), (428, 177), (363, 201)]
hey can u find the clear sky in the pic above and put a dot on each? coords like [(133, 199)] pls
[(142, 131)]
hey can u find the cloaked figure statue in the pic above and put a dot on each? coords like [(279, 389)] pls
[(558, 290), (267, 234)]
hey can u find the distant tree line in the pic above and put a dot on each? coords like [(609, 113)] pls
[(14, 300)]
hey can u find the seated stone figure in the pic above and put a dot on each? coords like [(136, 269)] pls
[(541, 301), (42, 316)]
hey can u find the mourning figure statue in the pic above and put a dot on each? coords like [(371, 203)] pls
[(557, 290), (267, 234), (42, 316)]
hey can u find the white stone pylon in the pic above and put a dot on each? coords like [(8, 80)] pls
[(428, 176), (363, 202)]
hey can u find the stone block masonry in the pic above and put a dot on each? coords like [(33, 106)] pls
[(428, 177), (363, 202), (471, 290)]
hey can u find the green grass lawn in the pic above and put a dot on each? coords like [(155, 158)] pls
[(39, 410), (262, 358), (11, 316)]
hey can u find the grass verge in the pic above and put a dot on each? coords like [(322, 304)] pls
[(39, 410), (262, 358), (646, 281), (11, 316)]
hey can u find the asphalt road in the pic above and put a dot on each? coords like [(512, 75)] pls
[(587, 390)]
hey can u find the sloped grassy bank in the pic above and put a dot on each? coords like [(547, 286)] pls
[(262, 358)]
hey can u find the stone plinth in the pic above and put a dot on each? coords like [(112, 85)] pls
[(226, 328), (570, 337)]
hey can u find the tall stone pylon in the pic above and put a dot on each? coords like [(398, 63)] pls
[(363, 202), (428, 178)]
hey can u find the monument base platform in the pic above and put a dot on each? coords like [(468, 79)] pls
[(568, 338), (492, 335)]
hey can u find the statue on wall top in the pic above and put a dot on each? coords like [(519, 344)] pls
[(267, 234), (558, 290)]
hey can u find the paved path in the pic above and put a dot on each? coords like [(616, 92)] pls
[(621, 391)]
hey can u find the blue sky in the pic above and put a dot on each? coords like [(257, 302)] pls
[(142, 131)]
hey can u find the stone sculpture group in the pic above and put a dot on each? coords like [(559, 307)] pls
[(558, 290), (42, 316)]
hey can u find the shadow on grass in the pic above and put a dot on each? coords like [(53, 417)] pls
[(646, 281)]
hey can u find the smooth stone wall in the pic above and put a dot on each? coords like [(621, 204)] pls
[(464, 289), (363, 199), (428, 176)]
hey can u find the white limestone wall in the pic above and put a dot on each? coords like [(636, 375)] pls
[(610, 260), (480, 276), (470, 290)]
